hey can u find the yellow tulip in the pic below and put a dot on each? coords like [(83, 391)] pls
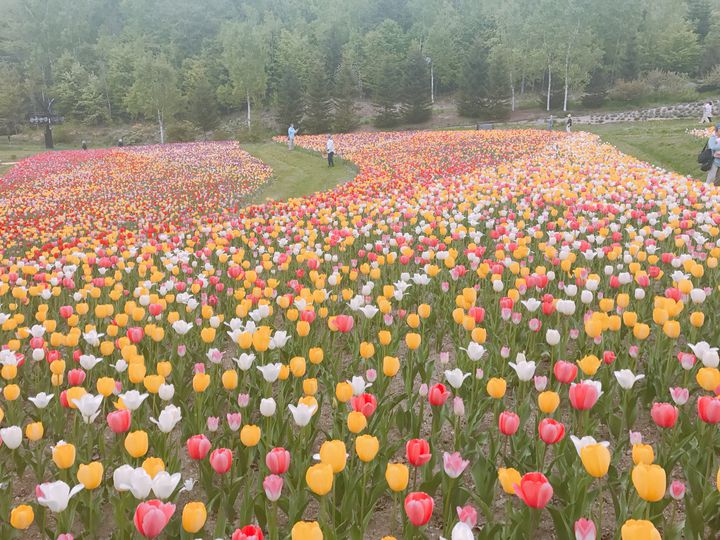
[(319, 478), (310, 386), (200, 382), (508, 477), (548, 401), (639, 529), (596, 459), (708, 378), (385, 337), (164, 368), (367, 350), (63, 455), (589, 365), (250, 435), (136, 443), (298, 366), (34, 431), (367, 447), (671, 329), (412, 340), (391, 365), (207, 335), (697, 319), (496, 387), (343, 392), (152, 383), (641, 331), (306, 530), (105, 386), (153, 465), (315, 355), (11, 392), (643, 453), (397, 476), (356, 421), (21, 517), (334, 454), (649, 481), (90, 475), (194, 515), (230, 379)]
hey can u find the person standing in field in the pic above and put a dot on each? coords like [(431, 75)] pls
[(568, 123), (550, 122), (330, 149), (707, 113), (291, 136), (714, 145), (83, 145)]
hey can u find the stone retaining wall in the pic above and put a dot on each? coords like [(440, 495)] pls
[(680, 110)]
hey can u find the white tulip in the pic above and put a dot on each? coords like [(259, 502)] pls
[(89, 406), (552, 337), (166, 391), (56, 495), (697, 296), (455, 377), (182, 327), (88, 361), (267, 407), (525, 370), (121, 477), (168, 418), (302, 414), (92, 338), (11, 436), (531, 304), (132, 399), (244, 361), (369, 311), (358, 385), (164, 483), (626, 378), (586, 296), (41, 400), (279, 339), (474, 351), (270, 372)]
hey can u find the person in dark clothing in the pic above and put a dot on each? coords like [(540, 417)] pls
[(120, 142), (330, 149), (84, 145)]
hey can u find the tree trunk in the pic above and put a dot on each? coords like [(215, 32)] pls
[(549, 88), (248, 108), (567, 63), (162, 127), (522, 84), (512, 93)]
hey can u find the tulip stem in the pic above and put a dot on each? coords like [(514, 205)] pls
[(446, 510), (601, 505), (272, 521)]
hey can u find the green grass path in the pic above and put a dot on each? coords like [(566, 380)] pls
[(661, 142), (15, 151), (297, 173)]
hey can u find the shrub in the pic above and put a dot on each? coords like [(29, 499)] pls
[(181, 132), (630, 91), (654, 85)]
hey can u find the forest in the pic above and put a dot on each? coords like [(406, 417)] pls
[(313, 61)]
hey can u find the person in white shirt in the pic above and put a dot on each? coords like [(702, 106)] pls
[(291, 136), (330, 149), (707, 113)]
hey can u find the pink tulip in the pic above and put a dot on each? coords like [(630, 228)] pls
[(151, 517), (635, 438), (221, 460), (243, 400), (119, 421), (584, 394), (468, 515), (65, 536), (419, 507), (371, 375), (664, 414), (565, 372), (76, 377), (278, 460), (344, 323), (585, 529), (213, 422), (458, 406), (273, 485), (534, 490), (234, 421), (454, 464), (680, 395), (551, 431), (198, 447), (508, 422), (709, 409), (540, 382), (677, 490)]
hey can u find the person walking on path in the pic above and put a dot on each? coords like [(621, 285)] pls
[(707, 113), (291, 136), (84, 145), (550, 122), (330, 149), (714, 145), (568, 123)]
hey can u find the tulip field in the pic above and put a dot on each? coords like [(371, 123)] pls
[(484, 335)]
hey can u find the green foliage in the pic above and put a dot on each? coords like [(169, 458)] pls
[(655, 85), (199, 87), (416, 106), (346, 92), (12, 99), (318, 110), (289, 104)]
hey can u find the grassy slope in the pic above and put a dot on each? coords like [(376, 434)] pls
[(297, 173), (661, 142)]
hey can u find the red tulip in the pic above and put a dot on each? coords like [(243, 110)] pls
[(534, 490), (664, 414), (248, 532), (551, 431), (365, 404), (198, 446), (278, 460), (438, 395), (76, 377), (565, 372), (508, 422), (418, 452), (221, 460), (135, 334), (119, 421), (419, 508), (344, 323), (584, 394), (709, 409), (151, 517), (66, 312)]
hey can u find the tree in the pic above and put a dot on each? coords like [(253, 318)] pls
[(13, 100), (386, 94), (289, 105), (245, 56), (346, 92), (318, 113), (155, 92), (484, 92), (416, 106), (79, 94), (200, 94)]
